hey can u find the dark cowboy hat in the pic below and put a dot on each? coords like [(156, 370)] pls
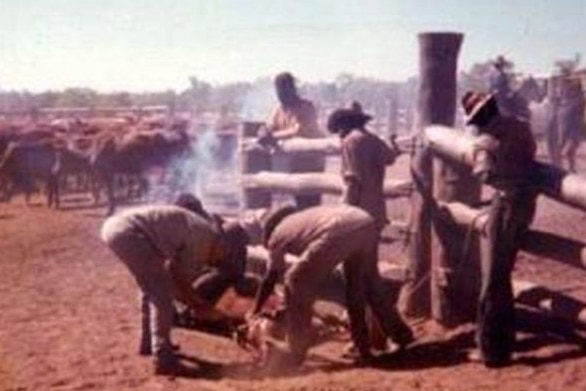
[(502, 62), (566, 67), (473, 102), (272, 218), (191, 203), (345, 119)]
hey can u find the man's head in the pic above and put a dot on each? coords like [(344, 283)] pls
[(480, 108), (286, 89), (193, 204), (234, 240), (501, 63), (341, 121), (229, 251), (272, 218)]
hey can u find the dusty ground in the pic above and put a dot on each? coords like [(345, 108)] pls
[(69, 321)]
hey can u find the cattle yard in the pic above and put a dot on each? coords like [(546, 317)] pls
[(69, 309), (69, 319)]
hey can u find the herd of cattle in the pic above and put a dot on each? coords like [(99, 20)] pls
[(108, 156)]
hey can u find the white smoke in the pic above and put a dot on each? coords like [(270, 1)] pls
[(209, 171)]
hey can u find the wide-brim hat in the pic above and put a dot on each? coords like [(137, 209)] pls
[(473, 102), (192, 203), (347, 119), (272, 218), (502, 61), (566, 67)]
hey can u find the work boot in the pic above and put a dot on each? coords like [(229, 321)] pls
[(492, 362), (404, 337), (166, 366), (351, 352), (147, 350)]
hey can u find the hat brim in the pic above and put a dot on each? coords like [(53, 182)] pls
[(482, 104), (503, 62)]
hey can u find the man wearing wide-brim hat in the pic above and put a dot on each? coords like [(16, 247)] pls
[(502, 62), (568, 112), (364, 160), (503, 158), (500, 83)]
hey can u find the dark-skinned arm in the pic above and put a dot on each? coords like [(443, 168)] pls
[(274, 272), (185, 294), (352, 194), (266, 289)]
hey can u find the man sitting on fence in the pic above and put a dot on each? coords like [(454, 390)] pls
[(504, 159), (295, 117)]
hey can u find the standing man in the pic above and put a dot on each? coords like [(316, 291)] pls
[(165, 248), (324, 237), (504, 159), (500, 84), (295, 117), (552, 136), (570, 114), (364, 161)]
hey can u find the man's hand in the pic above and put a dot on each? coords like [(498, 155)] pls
[(395, 149), (250, 316), (266, 139)]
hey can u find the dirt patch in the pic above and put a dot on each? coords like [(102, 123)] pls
[(69, 321)]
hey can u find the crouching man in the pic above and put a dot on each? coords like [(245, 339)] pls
[(323, 237), (213, 282), (165, 248)]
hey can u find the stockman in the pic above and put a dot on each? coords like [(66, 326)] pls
[(364, 160), (503, 158), (165, 248), (295, 117), (324, 237)]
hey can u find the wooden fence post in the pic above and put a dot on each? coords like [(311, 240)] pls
[(439, 272), (253, 160)]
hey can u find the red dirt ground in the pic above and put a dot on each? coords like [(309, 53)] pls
[(69, 321)]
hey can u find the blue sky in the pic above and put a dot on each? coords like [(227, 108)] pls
[(157, 44)]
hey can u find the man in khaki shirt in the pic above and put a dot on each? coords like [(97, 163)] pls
[(296, 117), (364, 160), (165, 247), (504, 158), (323, 237)]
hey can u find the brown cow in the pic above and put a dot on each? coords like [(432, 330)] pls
[(24, 163), (74, 166), (133, 154)]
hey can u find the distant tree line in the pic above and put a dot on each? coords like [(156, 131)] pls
[(254, 99), (201, 96)]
